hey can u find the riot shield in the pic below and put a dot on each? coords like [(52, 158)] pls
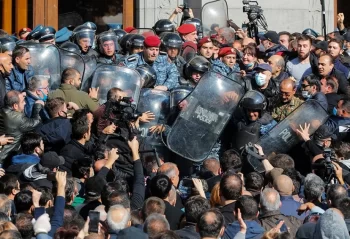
[(284, 135), (72, 60), (90, 64), (157, 102), (214, 14), (45, 60), (108, 76), (205, 114), (144, 32)]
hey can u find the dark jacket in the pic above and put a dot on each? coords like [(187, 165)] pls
[(333, 99), (254, 230), (270, 219), (340, 67), (71, 152), (173, 215), (283, 75), (28, 108), (14, 124), (2, 89), (18, 79), (277, 49), (188, 232), (227, 212), (342, 80), (56, 133), (322, 99)]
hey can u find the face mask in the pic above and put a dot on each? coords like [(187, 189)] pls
[(260, 79), (334, 111), (249, 65), (305, 94), (44, 98)]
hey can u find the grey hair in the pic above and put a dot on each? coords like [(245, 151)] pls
[(281, 63), (5, 204), (266, 200), (35, 83), (115, 226), (150, 226), (313, 187), (228, 34)]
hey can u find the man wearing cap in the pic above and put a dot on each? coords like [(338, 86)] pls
[(188, 32), (205, 48), (167, 73), (271, 43), (227, 64), (23, 33), (47, 35), (321, 48), (262, 82)]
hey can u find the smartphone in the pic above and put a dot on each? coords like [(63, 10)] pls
[(283, 228), (244, 27), (94, 221), (51, 176), (187, 182)]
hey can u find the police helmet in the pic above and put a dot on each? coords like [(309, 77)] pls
[(46, 34), (178, 94), (196, 64), (254, 100), (33, 35), (171, 39), (107, 36), (198, 24), (163, 25), (70, 47), (90, 25), (123, 41), (81, 32), (119, 33), (7, 44), (310, 32), (148, 76), (135, 41)]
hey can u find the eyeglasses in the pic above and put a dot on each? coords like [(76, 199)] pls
[(285, 93), (44, 88), (304, 86)]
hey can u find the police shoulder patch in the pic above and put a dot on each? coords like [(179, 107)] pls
[(131, 58), (163, 53)]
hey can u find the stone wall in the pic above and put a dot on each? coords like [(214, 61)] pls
[(290, 15)]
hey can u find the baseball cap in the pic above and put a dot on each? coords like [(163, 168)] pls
[(263, 66), (94, 186), (323, 45), (271, 36), (51, 160)]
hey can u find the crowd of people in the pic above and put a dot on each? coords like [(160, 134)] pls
[(75, 164)]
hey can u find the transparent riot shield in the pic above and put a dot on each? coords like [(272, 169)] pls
[(204, 115), (45, 60), (72, 60), (157, 102), (284, 135), (144, 32), (108, 76), (189, 51), (90, 64), (214, 14)]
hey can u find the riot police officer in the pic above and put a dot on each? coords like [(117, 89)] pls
[(84, 37), (194, 69), (107, 43), (119, 33), (227, 64), (163, 25), (47, 35), (254, 122), (135, 44), (172, 44), (198, 24), (167, 74), (148, 76)]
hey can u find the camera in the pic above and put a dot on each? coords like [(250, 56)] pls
[(122, 109), (324, 168)]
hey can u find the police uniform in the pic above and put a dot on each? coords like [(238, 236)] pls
[(167, 73), (116, 59), (281, 111), (221, 67), (179, 63)]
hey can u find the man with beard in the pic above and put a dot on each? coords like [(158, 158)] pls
[(335, 49), (68, 90), (205, 48), (5, 70), (300, 66), (287, 101)]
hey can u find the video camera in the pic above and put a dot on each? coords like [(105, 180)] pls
[(253, 9), (186, 12), (325, 169), (122, 113)]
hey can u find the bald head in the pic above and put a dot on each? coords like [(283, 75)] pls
[(212, 165), (5, 64), (270, 200), (287, 89), (247, 41), (277, 64), (118, 217), (284, 185)]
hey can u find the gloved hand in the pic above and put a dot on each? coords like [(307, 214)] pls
[(42, 225)]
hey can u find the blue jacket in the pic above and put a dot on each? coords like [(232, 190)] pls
[(25, 159), (18, 79), (340, 67), (254, 230), (322, 99), (167, 73), (223, 69), (28, 108), (289, 207)]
